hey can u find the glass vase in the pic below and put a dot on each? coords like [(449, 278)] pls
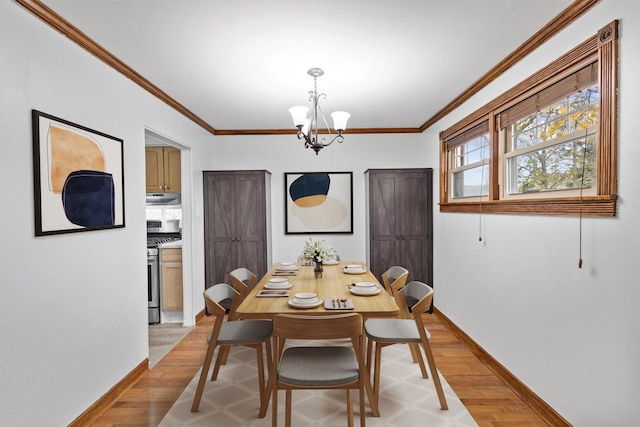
[(317, 270)]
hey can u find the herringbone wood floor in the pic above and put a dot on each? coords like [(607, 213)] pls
[(487, 398)]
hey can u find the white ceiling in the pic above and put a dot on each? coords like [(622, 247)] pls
[(240, 64)]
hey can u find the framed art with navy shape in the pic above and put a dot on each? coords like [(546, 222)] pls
[(78, 177), (318, 202)]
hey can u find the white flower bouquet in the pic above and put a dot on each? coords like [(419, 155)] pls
[(317, 251)]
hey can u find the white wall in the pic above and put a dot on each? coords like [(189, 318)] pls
[(73, 316), (285, 153), (572, 335)]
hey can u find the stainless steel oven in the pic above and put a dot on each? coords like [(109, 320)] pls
[(158, 232), (153, 285)]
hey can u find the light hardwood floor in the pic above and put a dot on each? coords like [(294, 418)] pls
[(489, 400)]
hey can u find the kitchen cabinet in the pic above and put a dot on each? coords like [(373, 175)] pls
[(237, 225), (162, 169), (171, 278), (400, 221)]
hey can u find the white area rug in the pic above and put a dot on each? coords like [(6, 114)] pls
[(406, 399)]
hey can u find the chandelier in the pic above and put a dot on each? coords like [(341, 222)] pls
[(308, 127)]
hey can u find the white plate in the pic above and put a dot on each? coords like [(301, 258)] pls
[(354, 271), (332, 262), (295, 304), (365, 290), (278, 280), (283, 267), (307, 301), (354, 266), (366, 284), (278, 285), (364, 293)]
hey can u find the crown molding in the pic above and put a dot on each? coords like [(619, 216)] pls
[(226, 132), (73, 33), (567, 16)]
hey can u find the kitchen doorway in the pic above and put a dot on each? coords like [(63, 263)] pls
[(180, 323)]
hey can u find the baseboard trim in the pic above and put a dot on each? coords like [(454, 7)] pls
[(200, 315), (109, 398), (529, 397)]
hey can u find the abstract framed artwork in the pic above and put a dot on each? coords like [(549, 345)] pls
[(78, 177), (318, 202)]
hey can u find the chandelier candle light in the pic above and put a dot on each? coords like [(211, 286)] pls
[(308, 127)]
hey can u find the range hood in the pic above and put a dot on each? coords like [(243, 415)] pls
[(164, 199)]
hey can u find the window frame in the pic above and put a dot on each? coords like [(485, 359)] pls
[(472, 133), (603, 48)]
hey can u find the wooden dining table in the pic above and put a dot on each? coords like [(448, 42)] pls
[(333, 286)]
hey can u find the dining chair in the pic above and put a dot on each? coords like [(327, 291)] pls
[(318, 367), (395, 276), (393, 280), (243, 281), (386, 332), (252, 333)]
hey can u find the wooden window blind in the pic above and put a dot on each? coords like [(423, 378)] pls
[(581, 79)]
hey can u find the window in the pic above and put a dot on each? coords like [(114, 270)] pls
[(547, 146), (470, 162), (553, 147)]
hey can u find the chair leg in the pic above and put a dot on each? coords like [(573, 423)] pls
[(434, 375), (375, 411), (362, 408), (414, 356), (415, 352), (223, 353), (287, 405), (203, 376), (260, 363), (376, 373), (349, 408), (265, 393), (274, 401), (369, 351)]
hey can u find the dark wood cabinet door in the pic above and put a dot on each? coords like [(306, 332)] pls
[(412, 224), (250, 212), (382, 219), (400, 221), (235, 223)]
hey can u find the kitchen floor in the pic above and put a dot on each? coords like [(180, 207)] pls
[(162, 338)]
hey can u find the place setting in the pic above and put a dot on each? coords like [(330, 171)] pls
[(276, 287), (354, 269), (364, 288), (286, 269), (305, 300)]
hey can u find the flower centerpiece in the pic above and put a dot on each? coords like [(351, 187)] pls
[(318, 252)]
